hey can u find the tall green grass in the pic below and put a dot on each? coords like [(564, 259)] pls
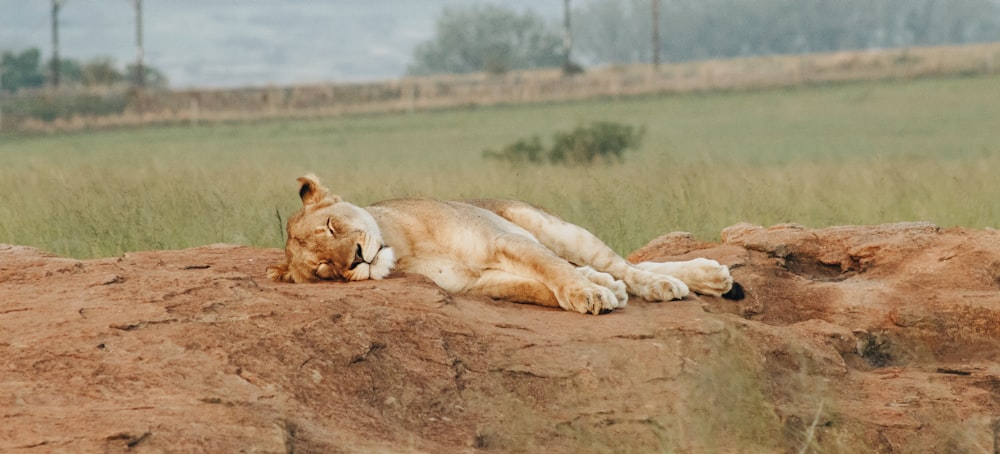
[(860, 153)]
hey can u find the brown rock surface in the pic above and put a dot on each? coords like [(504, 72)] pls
[(850, 339)]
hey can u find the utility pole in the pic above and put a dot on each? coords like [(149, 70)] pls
[(140, 70), (1, 98), (56, 4), (656, 34), (567, 38)]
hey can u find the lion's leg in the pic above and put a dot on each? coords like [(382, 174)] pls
[(579, 246), (573, 290), (505, 286)]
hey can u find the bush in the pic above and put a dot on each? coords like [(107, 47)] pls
[(604, 141), (519, 152)]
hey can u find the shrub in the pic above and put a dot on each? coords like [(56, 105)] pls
[(604, 141), (522, 151), (601, 139)]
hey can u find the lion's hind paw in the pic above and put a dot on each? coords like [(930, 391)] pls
[(703, 276), (657, 287), (608, 281)]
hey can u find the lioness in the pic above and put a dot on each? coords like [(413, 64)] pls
[(497, 248)]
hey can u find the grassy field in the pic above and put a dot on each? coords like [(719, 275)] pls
[(859, 153)]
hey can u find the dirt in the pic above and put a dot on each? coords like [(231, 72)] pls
[(850, 339)]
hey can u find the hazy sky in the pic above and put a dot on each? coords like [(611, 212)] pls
[(225, 43)]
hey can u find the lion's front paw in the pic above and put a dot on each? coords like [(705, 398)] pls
[(657, 287), (591, 298), (703, 276), (608, 281)]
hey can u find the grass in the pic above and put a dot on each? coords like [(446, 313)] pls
[(859, 153)]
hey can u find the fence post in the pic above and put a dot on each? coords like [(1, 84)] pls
[(1, 98)]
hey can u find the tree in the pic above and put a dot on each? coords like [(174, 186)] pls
[(487, 38), (152, 77), (21, 70), (101, 71), (611, 31), (70, 72), (24, 70), (617, 31)]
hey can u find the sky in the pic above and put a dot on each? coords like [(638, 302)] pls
[(233, 43)]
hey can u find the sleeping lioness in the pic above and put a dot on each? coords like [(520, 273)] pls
[(501, 249)]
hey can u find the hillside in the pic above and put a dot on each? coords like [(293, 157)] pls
[(877, 339)]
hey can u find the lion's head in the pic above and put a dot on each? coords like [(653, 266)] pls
[(331, 239)]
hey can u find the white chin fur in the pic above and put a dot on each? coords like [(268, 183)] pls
[(379, 268), (383, 263)]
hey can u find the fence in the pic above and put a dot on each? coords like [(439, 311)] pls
[(47, 111)]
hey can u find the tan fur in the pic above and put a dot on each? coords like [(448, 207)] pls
[(497, 248)]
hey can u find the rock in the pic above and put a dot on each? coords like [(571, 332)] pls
[(869, 339)]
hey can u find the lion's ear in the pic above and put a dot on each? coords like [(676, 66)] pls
[(279, 273), (312, 191)]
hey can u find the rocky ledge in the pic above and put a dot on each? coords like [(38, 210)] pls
[(850, 339)]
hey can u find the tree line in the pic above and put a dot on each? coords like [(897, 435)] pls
[(496, 39), (24, 70)]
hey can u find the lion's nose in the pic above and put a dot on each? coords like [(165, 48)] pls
[(359, 257)]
